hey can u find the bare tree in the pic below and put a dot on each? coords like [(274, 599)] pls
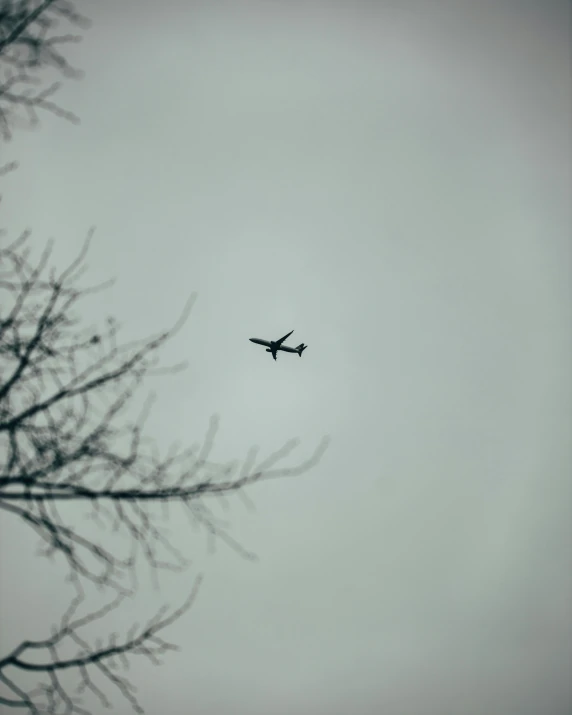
[(31, 56), (64, 440)]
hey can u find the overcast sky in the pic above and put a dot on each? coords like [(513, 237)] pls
[(392, 181)]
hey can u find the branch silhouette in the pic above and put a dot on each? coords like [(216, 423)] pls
[(64, 439), (42, 658), (29, 49)]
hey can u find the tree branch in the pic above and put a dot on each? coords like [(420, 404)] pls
[(42, 658), (29, 47), (64, 390)]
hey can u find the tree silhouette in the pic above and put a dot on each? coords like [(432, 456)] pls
[(31, 56), (64, 439)]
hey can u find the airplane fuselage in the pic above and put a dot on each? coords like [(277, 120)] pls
[(272, 346)]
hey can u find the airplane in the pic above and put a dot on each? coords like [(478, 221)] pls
[(274, 345)]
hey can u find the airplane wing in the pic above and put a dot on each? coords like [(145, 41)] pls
[(279, 342)]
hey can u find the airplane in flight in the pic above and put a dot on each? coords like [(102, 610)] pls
[(273, 346)]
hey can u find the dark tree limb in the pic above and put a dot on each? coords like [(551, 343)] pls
[(64, 440), (62, 392), (30, 48), (91, 661)]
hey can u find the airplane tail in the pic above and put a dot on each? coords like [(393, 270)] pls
[(300, 349)]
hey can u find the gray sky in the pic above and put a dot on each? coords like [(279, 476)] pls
[(392, 180)]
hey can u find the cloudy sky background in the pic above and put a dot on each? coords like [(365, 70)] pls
[(392, 181)]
